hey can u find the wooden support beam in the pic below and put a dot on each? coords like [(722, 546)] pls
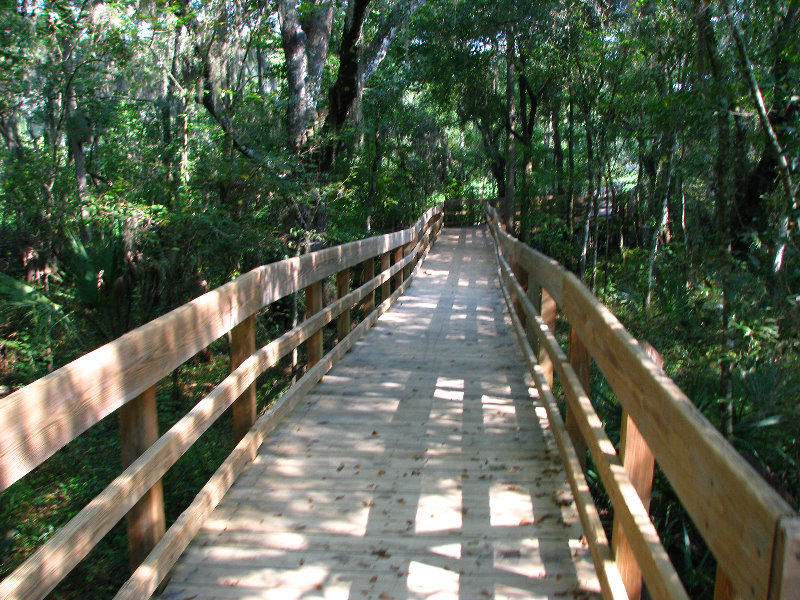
[(342, 289), (535, 298), (243, 344), (581, 362), (138, 430), (522, 277), (639, 462), (313, 306), (785, 576), (407, 249), (386, 263), (398, 278), (548, 313), (723, 588), (367, 273)]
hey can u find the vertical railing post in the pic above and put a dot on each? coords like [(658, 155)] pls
[(243, 344), (313, 306), (367, 273), (639, 462), (521, 276), (548, 311), (138, 430), (407, 249), (535, 297), (723, 588), (398, 256), (386, 286), (581, 362), (342, 289)]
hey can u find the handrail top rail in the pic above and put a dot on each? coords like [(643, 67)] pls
[(40, 418)]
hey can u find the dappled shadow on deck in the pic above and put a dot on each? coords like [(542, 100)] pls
[(420, 467)]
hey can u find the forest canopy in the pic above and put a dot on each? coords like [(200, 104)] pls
[(153, 150)]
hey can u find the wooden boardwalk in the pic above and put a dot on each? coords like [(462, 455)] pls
[(420, 467)]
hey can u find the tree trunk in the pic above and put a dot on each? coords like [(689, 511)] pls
[(662, 224), (571, 163), (591, 209), (558, 153), (344, 91), (511, 117)]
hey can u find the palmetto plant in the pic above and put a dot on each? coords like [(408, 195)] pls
[(102, 277)]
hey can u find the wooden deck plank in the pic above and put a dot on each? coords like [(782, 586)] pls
[(420, 467)]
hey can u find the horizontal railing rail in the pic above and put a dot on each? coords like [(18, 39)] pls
[(753, 533), (39, 419)]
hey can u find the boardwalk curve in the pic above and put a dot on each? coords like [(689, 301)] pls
[(420, 467)]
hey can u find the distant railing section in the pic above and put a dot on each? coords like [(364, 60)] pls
[(752, 532), (463, 212), (41, 418)]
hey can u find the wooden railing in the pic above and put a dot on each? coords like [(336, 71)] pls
[(41, 418), (463, 212), (752, 532)]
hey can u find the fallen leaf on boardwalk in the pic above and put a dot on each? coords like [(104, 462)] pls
[(381, 473), (486, 593), (368, 503), (231, 582), (374, 433), (562, 500), (401, 501), (382, 553), (339, 497), (543, 517), (385, 596), (373, 579), (340, 467)]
